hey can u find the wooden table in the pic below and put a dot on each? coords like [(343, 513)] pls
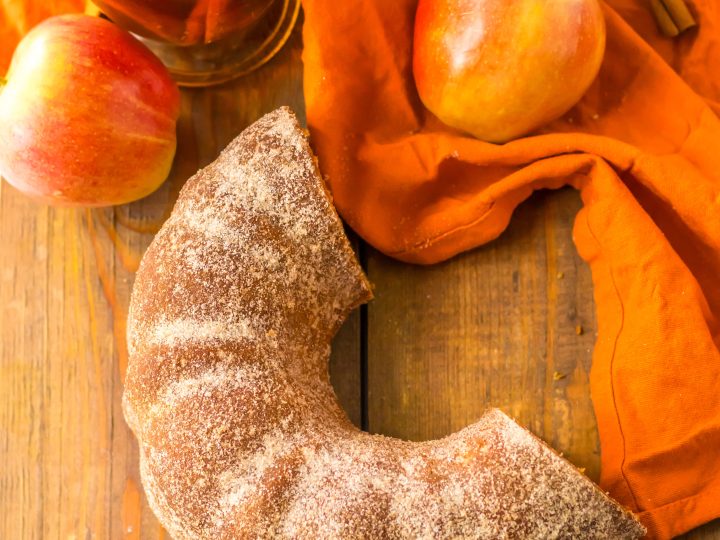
[(509, 325)]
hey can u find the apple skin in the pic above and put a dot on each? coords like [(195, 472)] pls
[(499, 69), (88, 115)]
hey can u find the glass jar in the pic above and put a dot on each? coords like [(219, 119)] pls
[(205, 42)]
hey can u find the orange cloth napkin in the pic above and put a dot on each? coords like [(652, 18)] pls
[(643, 148)]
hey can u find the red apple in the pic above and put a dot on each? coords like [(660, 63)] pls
[(87, 115), (499, 69)]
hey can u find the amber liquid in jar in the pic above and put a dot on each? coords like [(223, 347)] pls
[(207, 41)]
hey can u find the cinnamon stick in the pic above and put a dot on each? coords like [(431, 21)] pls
[(673, 16), (680, 14)]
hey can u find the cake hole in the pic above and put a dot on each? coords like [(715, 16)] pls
[(495, 327)]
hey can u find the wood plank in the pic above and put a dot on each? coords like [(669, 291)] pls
[(493, 327), (345, 361), (345, 368), (24, 291), (56, 362), (710, 531)]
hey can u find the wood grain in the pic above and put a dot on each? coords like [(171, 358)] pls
[(494, 327), (491, 327), (346, 370)]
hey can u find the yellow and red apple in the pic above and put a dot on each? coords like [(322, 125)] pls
[(87, 115), (499, 69)]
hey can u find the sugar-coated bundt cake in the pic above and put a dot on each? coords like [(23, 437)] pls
[(227, 389)]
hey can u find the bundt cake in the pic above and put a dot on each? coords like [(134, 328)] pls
[(227, 390)]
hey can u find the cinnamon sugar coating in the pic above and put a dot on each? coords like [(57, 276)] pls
[(227, 390)]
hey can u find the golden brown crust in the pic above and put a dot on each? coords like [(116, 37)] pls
[(241, 436)]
